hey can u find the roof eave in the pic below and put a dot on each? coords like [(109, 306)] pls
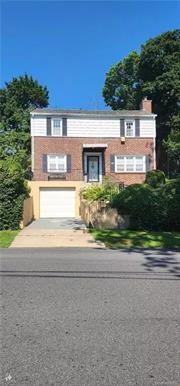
[(73, 114)]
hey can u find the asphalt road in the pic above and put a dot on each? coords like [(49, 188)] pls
[(73, 317)]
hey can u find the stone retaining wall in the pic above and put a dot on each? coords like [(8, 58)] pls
[(99, 215)]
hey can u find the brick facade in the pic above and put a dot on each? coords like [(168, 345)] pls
[(74, 147)]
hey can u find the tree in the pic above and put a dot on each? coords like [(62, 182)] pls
[(172, 146), (17, 99), (121, 88), (14, 148), (159, 71), (155, 75)]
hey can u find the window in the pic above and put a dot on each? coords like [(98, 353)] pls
[(139, 164), (119, 164), (56, 127), (57, 163), (129, 128), (129, 164)]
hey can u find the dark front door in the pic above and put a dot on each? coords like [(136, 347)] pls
[(93, 168)]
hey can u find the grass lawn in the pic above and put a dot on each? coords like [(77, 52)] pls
[(6, 238), (132, 239)]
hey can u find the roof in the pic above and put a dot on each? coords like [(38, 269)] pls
[(92, 113)]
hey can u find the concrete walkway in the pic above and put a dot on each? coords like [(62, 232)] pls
[(74, 236)]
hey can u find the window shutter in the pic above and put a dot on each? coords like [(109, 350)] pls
[(137, 128), (147, 163), (48, 123), (112, 163), (44, 163), (64, 126), (68, 163), (122, 128)]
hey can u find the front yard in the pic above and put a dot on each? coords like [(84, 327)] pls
[(131, 239), (6, 238)]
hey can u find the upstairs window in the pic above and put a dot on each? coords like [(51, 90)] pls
[(56, 127), (130, 128), (130, 164), (57, 163)]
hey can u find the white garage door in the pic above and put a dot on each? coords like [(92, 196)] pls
[(57, 202)]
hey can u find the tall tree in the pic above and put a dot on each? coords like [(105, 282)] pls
[(172, 146), (157, 76), (121, 88), (159, 71), (17, 99)]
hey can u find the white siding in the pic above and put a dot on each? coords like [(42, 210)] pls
[(89, 128), (147, 128), (93, 128), (38, 126)]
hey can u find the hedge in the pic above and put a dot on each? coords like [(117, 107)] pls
[(155, 178), (151, 208), (13, 191)]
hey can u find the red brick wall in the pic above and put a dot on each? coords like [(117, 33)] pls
[(74, 146)]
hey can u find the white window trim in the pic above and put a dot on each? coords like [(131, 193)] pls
[(56, 170), (134, 156), (133, 121), (54, 128)]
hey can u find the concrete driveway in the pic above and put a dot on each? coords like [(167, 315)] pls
[(57, 232), (58, 223)]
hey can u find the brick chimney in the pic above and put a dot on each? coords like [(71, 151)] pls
[(146, 105)]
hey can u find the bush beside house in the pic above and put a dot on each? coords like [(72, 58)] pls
[(154, 205), (13, 191), (151, 208), (105, 191), (155, 178)]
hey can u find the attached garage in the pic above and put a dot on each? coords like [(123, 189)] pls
[(57, 202)]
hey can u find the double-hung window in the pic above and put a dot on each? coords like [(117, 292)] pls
[(119, 164), (129, 128), (57, 163), (140, 164), (56, 127), (130, 164)]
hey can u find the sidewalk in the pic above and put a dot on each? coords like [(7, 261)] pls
[(43, 238)]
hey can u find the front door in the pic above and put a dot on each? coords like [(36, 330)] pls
[(93, 168)]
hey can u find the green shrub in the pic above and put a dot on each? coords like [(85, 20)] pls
[(13, 191), (104, 191), (143, 204), (149, 208), (170, 196), (155, 178)]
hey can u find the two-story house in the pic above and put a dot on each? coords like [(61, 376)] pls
[(73, 147)]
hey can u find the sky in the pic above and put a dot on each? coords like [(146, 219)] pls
[(70, 46)]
